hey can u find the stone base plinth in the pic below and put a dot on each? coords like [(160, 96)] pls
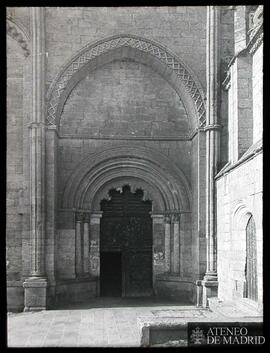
[(35, 294), (210, 289)]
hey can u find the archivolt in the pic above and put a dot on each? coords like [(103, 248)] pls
[(91, 53), (240, 217), (164, 183), (16, 32)]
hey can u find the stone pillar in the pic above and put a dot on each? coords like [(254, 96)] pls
[(199, 293), (167, 226), (35, 287), (51, 210), (79, 244), (86, 220), (95, 248), (212, 150), (158, 246), (176, 243)]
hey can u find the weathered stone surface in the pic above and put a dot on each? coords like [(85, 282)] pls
[(131, 102)]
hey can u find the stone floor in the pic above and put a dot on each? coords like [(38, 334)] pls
[(110, 322)]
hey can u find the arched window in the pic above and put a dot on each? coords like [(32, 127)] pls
[(251, 288)]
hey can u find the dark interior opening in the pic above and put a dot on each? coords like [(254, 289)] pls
[(126, 244), (110, 274)]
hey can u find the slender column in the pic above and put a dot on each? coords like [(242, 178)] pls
[(176, 242), (51, 140), (212, 149), (172, 250), (167, 225), (78, 244), (35, 286), (86, 242), (158, 248), (95, 248)]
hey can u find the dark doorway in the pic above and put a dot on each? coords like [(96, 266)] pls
[(126, 228), (110, 274), (251, 261)]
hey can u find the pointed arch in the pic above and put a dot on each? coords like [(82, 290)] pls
[(160, 58)]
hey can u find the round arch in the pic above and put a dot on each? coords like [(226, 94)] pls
[(241, 216), (181, 78), (138, 166)]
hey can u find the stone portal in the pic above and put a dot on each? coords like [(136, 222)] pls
[(126, 244)]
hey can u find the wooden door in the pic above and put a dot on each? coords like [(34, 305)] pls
[(251, 261), (110, 274), (138, 273), (126, 226)]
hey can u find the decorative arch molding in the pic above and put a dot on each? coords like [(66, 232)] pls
[(182, 75), (18, 33), (150, 192), (139, 166), (240, 217)]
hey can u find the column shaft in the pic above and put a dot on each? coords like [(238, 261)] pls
[(78, 246), (37, 144), (95, 248), (86, 246), (167, 243), (35, 294), (212, 150), (212, 133), (176, 241)]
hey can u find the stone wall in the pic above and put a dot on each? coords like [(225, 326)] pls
[(240, 119), (127, 102), (257, 81), (124, 98), (17, 212), (180, 29), (14, 159), (239, 184), (240, 187)]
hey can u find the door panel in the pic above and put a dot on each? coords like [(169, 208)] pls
[(138, 273), (126, 226), (110, 274)]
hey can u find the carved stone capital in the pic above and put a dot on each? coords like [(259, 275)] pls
[(79, 217), (86, 217), (167, 218), (175, 218), (212, 127)]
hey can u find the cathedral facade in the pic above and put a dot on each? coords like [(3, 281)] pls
[(134, 154)]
